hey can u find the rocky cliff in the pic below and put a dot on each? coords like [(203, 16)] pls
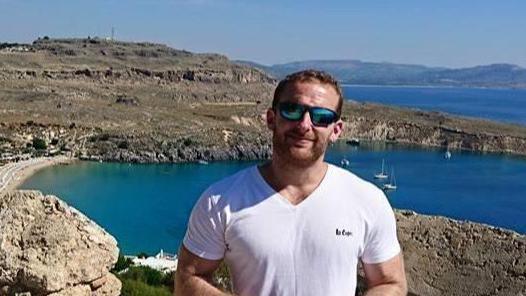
[(382, 123), (448, 257), (49, 248)]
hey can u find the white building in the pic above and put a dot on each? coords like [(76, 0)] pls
[(163, 262)]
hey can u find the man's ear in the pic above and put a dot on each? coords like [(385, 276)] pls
[(271, 118), (337, 130)]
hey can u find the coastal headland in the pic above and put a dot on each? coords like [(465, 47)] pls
[(105, 100)]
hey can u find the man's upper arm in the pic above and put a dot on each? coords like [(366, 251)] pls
[(382, 258), (388, 277), (381, 241), (194, 274), (202, 250), (205, 236), (191, 264)]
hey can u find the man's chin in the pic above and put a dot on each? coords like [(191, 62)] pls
[(302, 155), (300, 143)]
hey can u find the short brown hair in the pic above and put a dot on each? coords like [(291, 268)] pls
[(309, 75)]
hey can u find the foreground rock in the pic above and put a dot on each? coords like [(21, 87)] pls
[(447, 257), (49, 248)]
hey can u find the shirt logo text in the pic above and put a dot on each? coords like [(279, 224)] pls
[(343, 232)]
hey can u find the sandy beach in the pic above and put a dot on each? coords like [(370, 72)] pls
[(13, 174)]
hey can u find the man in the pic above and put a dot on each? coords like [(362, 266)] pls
[(296, 225)]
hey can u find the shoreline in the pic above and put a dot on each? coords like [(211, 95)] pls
[(13, 174)]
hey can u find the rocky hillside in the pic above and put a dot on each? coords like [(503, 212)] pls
[(48, 248), (448, 257), (381, 123), (112, 60), (143, 102), (90, 96)]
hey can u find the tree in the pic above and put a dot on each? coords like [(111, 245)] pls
[(122, 263), (142, 280), (39, 144)]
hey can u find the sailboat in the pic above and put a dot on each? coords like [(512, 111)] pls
[(381, 175), (392, 183), (447, 155)]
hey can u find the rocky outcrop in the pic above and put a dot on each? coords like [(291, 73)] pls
[(440, 136), (49, 248), (237, 74), (382, 123), (246, 151), (104, 61), (448, 257)]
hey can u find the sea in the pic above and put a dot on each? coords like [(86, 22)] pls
[(499, 104), (146, 206)]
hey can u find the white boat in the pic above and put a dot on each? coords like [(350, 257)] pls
[(382, 174), (345, 162), (201, 161), (392, 183), (447, 155), (353, 142)]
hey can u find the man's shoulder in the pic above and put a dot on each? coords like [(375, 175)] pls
[(242, 176), (231, 186)]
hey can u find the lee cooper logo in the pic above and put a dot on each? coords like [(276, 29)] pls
[(343, 232)]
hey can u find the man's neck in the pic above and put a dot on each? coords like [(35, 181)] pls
[(294, 182)]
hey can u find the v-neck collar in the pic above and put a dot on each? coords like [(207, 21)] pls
[(282, 199)]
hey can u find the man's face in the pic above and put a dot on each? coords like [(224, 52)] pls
[(300, 142)]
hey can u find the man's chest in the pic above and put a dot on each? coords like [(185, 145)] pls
[(315, 232)]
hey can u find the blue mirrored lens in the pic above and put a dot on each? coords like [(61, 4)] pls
[(291, 111), (322, 116)]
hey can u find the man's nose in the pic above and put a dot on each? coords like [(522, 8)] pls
[(305, 122)]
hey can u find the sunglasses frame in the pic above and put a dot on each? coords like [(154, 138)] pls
[(304, 109)]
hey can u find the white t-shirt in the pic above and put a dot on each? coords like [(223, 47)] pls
[(275, 248)]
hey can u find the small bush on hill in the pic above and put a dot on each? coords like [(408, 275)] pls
[(142, 280), (138, 288), (39, 144), (122, 264), (124, 145)]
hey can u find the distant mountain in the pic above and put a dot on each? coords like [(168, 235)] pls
[(358, 72)]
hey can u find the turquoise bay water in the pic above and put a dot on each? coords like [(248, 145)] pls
[(506, 105), (146, 206)]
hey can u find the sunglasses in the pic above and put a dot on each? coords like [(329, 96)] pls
[(319, 116)]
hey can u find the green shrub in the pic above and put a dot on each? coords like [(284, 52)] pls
[(137, 288), (148, 276), (123, 145), (188, 142), (39, 144), (122, 264)]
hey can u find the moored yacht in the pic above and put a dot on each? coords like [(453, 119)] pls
[(382, 174)]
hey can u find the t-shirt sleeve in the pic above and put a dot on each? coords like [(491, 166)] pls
[(205, 234), (381, 243)]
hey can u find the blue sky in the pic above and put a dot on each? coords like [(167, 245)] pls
[(435, 33)]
